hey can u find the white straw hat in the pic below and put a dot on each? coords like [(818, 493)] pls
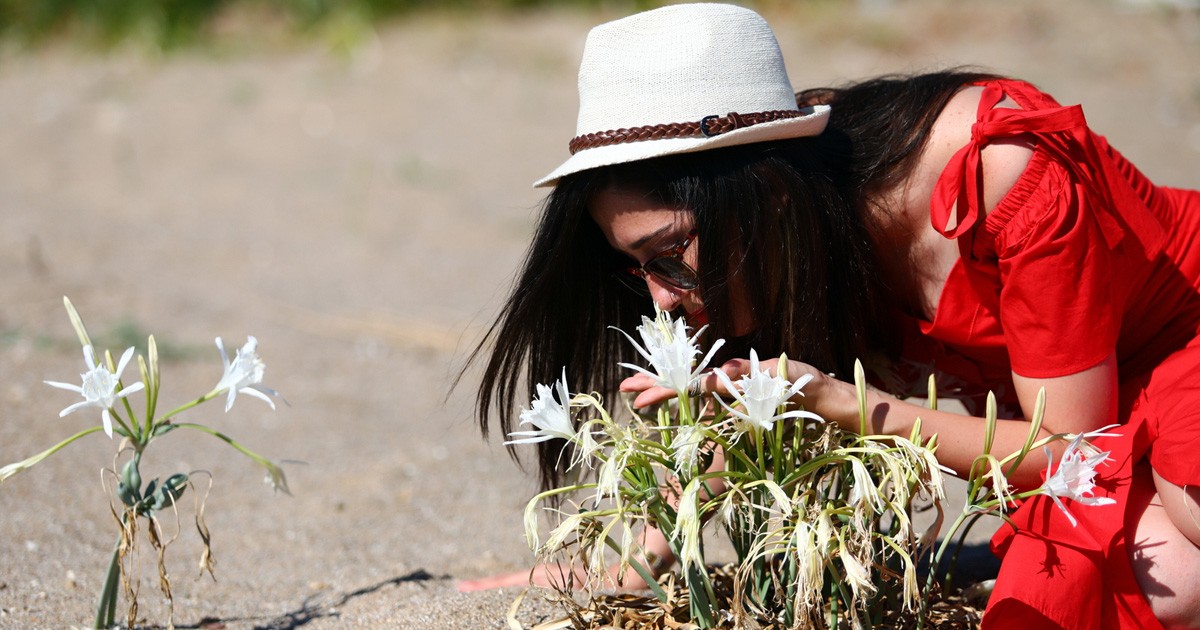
[(679, 79)]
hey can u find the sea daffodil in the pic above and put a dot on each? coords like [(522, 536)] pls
[(1074, 477), (551, 417), (99, 387), (761, 396), (669, 350), (244, 374)]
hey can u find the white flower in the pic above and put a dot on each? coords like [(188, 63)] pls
[(569, 525), (1000, 483), (864, 493), (924, 457), (1073, 479), (244, 374), (687, 523), (685, 448), (99, 387), (531, 525), (761, 396), (551, 417), (668, 349), (275, 478), (612, 471), (810, 562), (587, 446), (857, 574)]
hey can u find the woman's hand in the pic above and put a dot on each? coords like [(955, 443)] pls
[(648, 393), (549, 575), (545, 575)]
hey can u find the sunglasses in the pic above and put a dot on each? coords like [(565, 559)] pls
[(667, 266)]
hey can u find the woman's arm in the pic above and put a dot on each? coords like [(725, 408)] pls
[(1077, 403)]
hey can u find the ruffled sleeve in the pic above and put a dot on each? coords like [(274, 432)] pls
[(1063, 285)]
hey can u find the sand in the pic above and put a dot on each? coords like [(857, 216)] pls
[(362, 215)]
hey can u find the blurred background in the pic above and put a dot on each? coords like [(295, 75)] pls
[(349, 181)]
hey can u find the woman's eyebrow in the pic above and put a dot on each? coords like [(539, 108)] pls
[(641, 242)]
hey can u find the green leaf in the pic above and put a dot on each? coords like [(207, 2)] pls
[(170, 491), (164, 427)]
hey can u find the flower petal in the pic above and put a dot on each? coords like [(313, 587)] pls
[(67, 386), (106, 417)]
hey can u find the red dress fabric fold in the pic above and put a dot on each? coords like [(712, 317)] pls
[(1082, 258)]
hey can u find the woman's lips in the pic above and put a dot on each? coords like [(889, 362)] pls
[(697, 319)]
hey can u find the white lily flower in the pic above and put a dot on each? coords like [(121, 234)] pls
[(926, 458), (731, 506), (1086, 447), (1073, 479), (824, 532), (530, 520), (761, 396), (558, 537), (551, 417), (810, 562), (244, 374), (612, 471), (672, 354), (912, 588), (99, 387), (864, 492), (685, 448), (1003, 489), (687, 523), (587, 445), (276, 478), (857, 574)]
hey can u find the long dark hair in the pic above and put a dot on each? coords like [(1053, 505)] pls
[(789, 217)]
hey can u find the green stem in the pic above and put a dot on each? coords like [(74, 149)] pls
[(107, 608), (642, 570), (132, 433), (762, 456), (188, 405), (133, 421), (228, 440), (729, 449), (276, 473), (13, 469)]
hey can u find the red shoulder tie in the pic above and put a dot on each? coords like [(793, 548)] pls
[(960, 187)]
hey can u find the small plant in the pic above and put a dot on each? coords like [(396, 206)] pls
[(819, 519), (103, 389)]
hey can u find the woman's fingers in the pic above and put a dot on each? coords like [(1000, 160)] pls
[(648, 392), (503, 580), (637, 383), (653, 396)]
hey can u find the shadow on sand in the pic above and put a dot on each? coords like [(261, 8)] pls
[(315, 607)]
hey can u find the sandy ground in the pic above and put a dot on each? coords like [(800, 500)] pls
[(362, 215)]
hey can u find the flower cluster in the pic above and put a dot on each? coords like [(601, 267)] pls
[(820, 519), (103, 387), (805, 505)]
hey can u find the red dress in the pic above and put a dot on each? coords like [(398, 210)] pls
[(1082, 257)]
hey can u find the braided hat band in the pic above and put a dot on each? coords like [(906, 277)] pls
[(706, 127)]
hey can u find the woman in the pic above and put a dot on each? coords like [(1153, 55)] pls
[(955, 222)]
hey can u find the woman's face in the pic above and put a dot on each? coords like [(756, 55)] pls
[(641, 228)]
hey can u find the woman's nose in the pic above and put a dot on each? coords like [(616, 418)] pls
[(665, 296)]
